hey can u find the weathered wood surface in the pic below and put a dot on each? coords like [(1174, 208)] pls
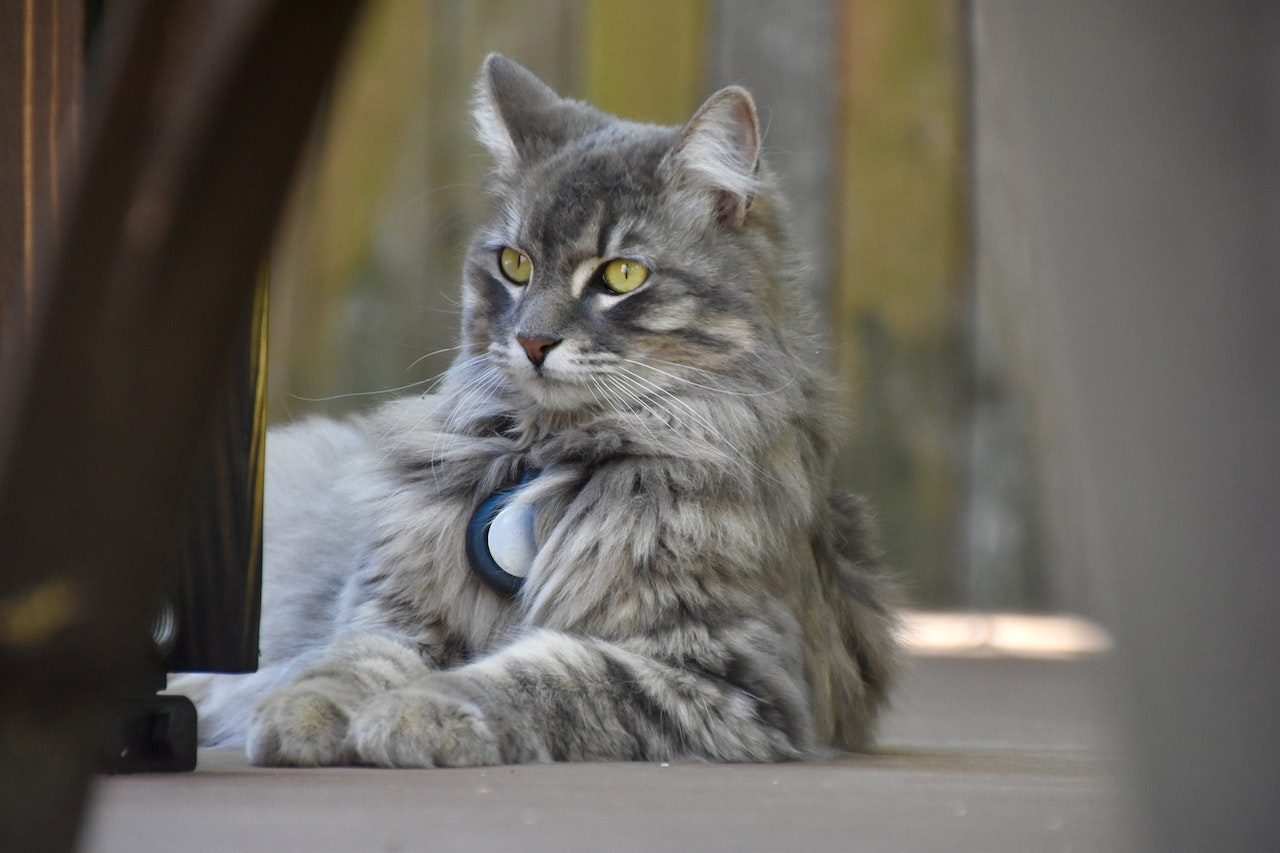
[(976, 756)]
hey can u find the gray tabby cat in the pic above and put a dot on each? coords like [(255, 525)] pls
[(633, 333)]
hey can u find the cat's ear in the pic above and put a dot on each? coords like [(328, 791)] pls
[(719, 152), (517, 116)]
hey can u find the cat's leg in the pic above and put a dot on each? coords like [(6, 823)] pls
[(305, 723), (557, 697)]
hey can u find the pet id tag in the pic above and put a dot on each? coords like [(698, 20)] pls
[(500, 544)]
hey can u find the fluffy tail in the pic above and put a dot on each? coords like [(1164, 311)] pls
[(854, 656)]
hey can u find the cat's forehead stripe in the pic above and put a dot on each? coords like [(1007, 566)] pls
[(582, 276)]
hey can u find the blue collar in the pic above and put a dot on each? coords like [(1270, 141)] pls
[(478, 554)]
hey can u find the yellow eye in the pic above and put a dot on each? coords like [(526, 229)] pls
[(623, 275), (515, 266)]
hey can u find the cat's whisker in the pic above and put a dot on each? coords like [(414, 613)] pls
[(440, 351), (465, 395), (658, 389), (462, 365), (709, 387), (707, 424), (435, 380), (682, 428), (453, 369), (639, 395), (486, 376), (428, 193), (365, 393), (713, 376), (595, 393), (485, 394), (613, 382)]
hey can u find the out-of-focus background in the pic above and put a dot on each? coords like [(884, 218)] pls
[(866, 108)]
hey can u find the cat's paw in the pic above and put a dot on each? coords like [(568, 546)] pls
[(299, 726), (418, 727)]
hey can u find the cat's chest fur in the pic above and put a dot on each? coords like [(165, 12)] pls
[(419, 577)]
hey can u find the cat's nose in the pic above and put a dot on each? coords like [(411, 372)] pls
[(536, 348)]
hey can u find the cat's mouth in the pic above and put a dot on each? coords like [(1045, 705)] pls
[(558, 387)]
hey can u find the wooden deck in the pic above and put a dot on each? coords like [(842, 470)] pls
[(979, 754)]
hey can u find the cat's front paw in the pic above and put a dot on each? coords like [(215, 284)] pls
[(299, 726), (418, 727)]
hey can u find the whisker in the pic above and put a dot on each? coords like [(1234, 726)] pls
[(423, 358), (632, 389), (710, 428), (709, 387), (483, 379), (615, 384), (454, 368), (405, 387), (365, 393), (426, 193)]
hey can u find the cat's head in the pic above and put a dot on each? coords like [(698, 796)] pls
[(619, 256)]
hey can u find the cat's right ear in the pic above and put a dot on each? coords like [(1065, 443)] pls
[(517, 116), (719, 152)]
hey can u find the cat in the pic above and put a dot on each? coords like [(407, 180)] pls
[(638, 376)]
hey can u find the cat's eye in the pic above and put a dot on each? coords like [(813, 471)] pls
[(623, 275), (516, 266)]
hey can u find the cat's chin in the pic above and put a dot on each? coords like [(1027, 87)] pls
[(557, 395)]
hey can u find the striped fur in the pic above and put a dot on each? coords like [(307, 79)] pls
[(699, 590)]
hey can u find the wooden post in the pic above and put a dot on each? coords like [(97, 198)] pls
[(102, 410), (785, 53), (41, 46), (216, 586)]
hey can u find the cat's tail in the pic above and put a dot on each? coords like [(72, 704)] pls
[(871, 595), (866, 610)]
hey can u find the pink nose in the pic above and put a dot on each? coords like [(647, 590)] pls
[(536, 348)]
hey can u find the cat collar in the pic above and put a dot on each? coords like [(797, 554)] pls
[(500, 544)]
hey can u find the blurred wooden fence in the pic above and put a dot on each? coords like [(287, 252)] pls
[(864, 104)]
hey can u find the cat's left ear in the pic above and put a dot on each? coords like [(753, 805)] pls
[(519, 118), (719, 152)]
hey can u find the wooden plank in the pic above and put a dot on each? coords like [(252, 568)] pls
[(785, 54), (901, 310), (1006, 559), (40, 68), (645, 61)]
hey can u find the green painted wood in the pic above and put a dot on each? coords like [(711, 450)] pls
[(645, 61), (901, 303)]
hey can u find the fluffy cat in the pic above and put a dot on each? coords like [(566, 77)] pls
[(698, 589)]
